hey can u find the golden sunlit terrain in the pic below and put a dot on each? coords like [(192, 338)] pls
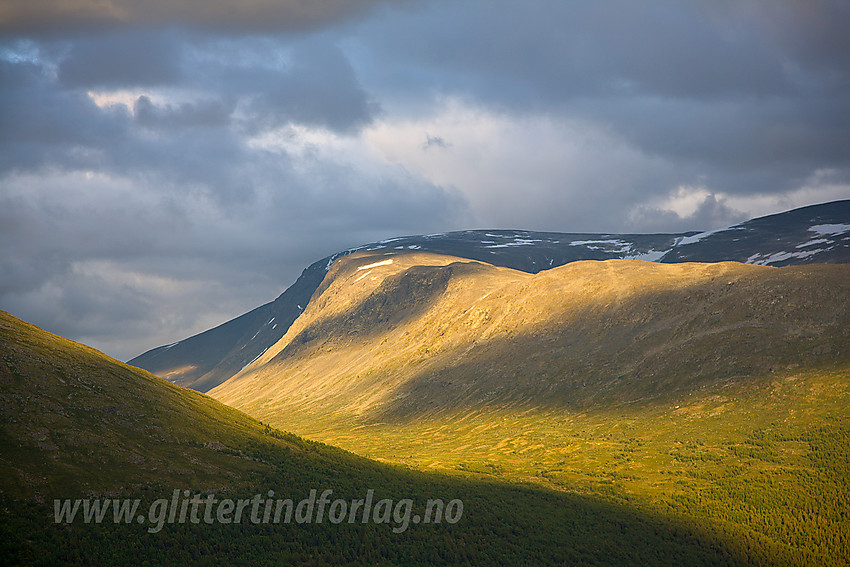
[(717, 392)]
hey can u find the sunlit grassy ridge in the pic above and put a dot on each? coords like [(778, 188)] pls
[(717, 392), (77, 424), (429, 333)]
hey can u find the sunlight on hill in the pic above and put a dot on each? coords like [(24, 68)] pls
[(696, 390)]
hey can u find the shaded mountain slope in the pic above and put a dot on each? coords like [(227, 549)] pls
[(76, 420), (808, 235), (816, 234), (76, 424), (209, 358)]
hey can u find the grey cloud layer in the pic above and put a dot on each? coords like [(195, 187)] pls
[(113, 213), (58, 16), (738, 89)]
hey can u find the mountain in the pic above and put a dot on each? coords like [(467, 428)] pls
[(205, 360), (815, 234), (809, 235), (713, 391), (75, 420), (76, 425), (390, 335)]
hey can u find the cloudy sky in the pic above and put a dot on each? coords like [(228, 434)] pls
[(167, 165)]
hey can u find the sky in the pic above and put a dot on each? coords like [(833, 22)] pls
[(168, 165)]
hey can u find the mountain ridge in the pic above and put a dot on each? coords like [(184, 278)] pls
[(206, 360), (429, 329)]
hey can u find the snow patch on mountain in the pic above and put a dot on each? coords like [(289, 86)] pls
[(815, 241), (767, 260), (648, 256), (833, 229), (255, 358), (614, 245), (375, 265), (516, 242), (685, 240)]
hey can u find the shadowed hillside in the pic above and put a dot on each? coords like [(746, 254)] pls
[(84, 421), (76, 424)]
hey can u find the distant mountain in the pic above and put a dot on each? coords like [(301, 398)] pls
[(819, 234), (815, 234), (205, 360)]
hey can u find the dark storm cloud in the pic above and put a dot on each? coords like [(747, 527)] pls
[(814, 32), (709, 213), (49, 120), (745, 146), (435, 142), (127, 60), (45, 125), (41, 124), (49, 16), (319, 88), (544, 52), (737, 90), (204, 114)]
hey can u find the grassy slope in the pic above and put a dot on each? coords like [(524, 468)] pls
[(75, 423), (429, 333), (88, 422), (718, 392)]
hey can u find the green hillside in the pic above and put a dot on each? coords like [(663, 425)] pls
[(76, 424), (717, 393)]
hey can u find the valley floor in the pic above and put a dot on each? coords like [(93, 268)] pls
[(764, 462)]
